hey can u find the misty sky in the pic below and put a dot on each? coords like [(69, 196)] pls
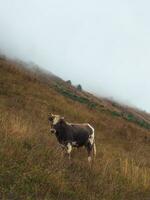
[(104, 45)]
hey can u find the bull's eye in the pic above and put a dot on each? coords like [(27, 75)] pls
[(50, 119)]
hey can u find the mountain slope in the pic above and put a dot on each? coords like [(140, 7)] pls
[(33, 166)]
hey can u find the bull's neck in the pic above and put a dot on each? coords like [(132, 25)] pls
[(60, 130)]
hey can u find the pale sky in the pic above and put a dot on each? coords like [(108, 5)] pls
[(103, 45)]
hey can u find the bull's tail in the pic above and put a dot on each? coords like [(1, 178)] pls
[(94, 149)]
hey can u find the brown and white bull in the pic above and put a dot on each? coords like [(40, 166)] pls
[(71, 135)]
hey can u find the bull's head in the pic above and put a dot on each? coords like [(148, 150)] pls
[(54, 119)]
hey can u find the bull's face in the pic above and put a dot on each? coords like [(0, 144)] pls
[(54, 119)]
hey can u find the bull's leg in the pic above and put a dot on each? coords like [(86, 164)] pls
[(89, 150), (91, 145), (69, 149)]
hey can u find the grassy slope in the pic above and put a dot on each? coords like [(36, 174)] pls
[(32, 165)]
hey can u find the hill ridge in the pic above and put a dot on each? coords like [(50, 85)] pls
[(33, 165)]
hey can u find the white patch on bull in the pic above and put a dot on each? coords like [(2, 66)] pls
[(91, 137), (69, 148), (56, 119)]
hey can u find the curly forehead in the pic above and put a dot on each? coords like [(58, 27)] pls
[(54, 118)]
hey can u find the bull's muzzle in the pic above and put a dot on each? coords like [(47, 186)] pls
[(52, 130)]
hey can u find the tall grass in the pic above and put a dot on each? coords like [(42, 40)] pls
[(33, 166)]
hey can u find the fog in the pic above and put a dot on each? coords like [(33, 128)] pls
[(103, 45)]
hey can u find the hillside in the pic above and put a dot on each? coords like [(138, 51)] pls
[(32, 165)]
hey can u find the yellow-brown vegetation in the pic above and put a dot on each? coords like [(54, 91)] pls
[(32, 165)]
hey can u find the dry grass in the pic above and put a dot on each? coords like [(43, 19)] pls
[(33, 166)]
